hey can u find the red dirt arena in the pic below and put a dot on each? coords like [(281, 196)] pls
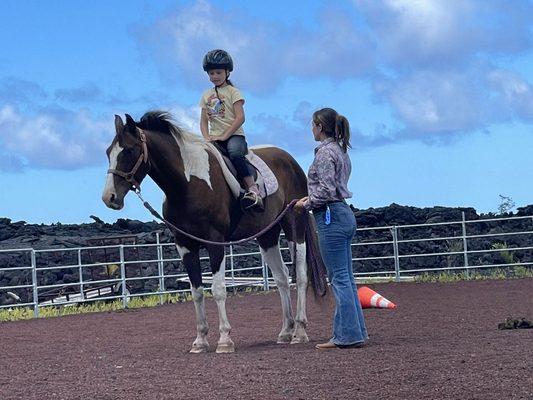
[(441, 342)]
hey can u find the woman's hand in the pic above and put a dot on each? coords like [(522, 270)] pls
[(299, 206)]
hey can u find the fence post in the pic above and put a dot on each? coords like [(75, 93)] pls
[(232, 268), (465, 246), (80, 272), (123, 276), (34, 284), (160, 268), (396, 253)]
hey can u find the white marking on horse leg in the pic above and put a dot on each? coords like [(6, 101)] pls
[(291, 249), (300, 336), (225, 344), (182, 251), (109, 187), (272, 257), (200, 345)]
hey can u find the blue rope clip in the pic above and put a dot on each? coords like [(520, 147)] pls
[(327, 216)]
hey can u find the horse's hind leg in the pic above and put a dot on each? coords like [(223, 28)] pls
[(191, 260), (217, 260), (296, 239), (300, 336), (269, 246)]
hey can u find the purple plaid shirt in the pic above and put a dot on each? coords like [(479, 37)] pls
[(328, 175)]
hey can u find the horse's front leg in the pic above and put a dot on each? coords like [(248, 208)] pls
[(217, 261), (191, 260)]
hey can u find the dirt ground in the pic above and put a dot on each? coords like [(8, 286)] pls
[(442, 342)]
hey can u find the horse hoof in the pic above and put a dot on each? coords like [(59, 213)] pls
[(284, 339), (300, 339), (226, 348), (199, 349)]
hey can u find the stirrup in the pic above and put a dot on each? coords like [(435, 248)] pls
[(252, 200)]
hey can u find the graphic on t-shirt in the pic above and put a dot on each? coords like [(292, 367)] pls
[(215, 106)]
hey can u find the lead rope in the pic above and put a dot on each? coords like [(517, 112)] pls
[(318, 269), (288, 208)]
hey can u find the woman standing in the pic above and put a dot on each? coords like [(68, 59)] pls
[(328, 187)]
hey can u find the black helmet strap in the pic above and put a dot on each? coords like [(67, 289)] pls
[(217, 86)]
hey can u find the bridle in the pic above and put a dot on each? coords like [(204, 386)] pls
[(130, 176)]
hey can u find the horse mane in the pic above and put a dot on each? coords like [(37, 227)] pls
[(162, 121)]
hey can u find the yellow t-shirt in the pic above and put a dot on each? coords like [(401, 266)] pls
[(221, 113)]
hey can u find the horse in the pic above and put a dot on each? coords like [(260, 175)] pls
[(198, 201)]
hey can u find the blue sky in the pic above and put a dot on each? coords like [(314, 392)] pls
[(439, 93)]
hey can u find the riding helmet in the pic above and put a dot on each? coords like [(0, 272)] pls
[(218, 59)]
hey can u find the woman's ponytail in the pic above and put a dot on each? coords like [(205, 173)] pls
[(334, 125), (342, 132)]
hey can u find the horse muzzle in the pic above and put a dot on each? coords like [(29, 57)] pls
[(112, 201)]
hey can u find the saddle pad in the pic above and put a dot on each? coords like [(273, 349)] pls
[(270, 182)]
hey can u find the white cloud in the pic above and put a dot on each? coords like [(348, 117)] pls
[(514, 91), (431, 102), (264, 53), (281, 132), (451, 102), (187, 118), (290, 132), (57, 141), (429, 60), (63, 139), (440, 33), (438, 56)]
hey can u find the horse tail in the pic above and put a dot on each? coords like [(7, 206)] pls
[(316, 270)]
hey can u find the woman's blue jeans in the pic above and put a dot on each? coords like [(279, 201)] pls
[(335, 246)]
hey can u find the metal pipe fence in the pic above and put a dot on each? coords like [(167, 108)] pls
[(163, 274)]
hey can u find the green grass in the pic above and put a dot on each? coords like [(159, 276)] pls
[(23, 313), (476, 275)]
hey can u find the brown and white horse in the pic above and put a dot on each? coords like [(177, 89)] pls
[(199, 201)]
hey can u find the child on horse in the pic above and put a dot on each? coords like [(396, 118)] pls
[(222, 118)]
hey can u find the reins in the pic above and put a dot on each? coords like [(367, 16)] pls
[(173, 227)]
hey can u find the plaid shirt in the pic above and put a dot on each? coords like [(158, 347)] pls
[(328, 175)]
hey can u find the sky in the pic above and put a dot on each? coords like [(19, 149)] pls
[(439, 93)]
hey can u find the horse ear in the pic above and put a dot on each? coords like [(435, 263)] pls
[(119, 125), (130, 124)]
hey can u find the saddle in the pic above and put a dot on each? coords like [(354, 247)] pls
[(225, 156), (261, 172)]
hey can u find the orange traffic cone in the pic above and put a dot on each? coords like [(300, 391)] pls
[(371, 299)]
